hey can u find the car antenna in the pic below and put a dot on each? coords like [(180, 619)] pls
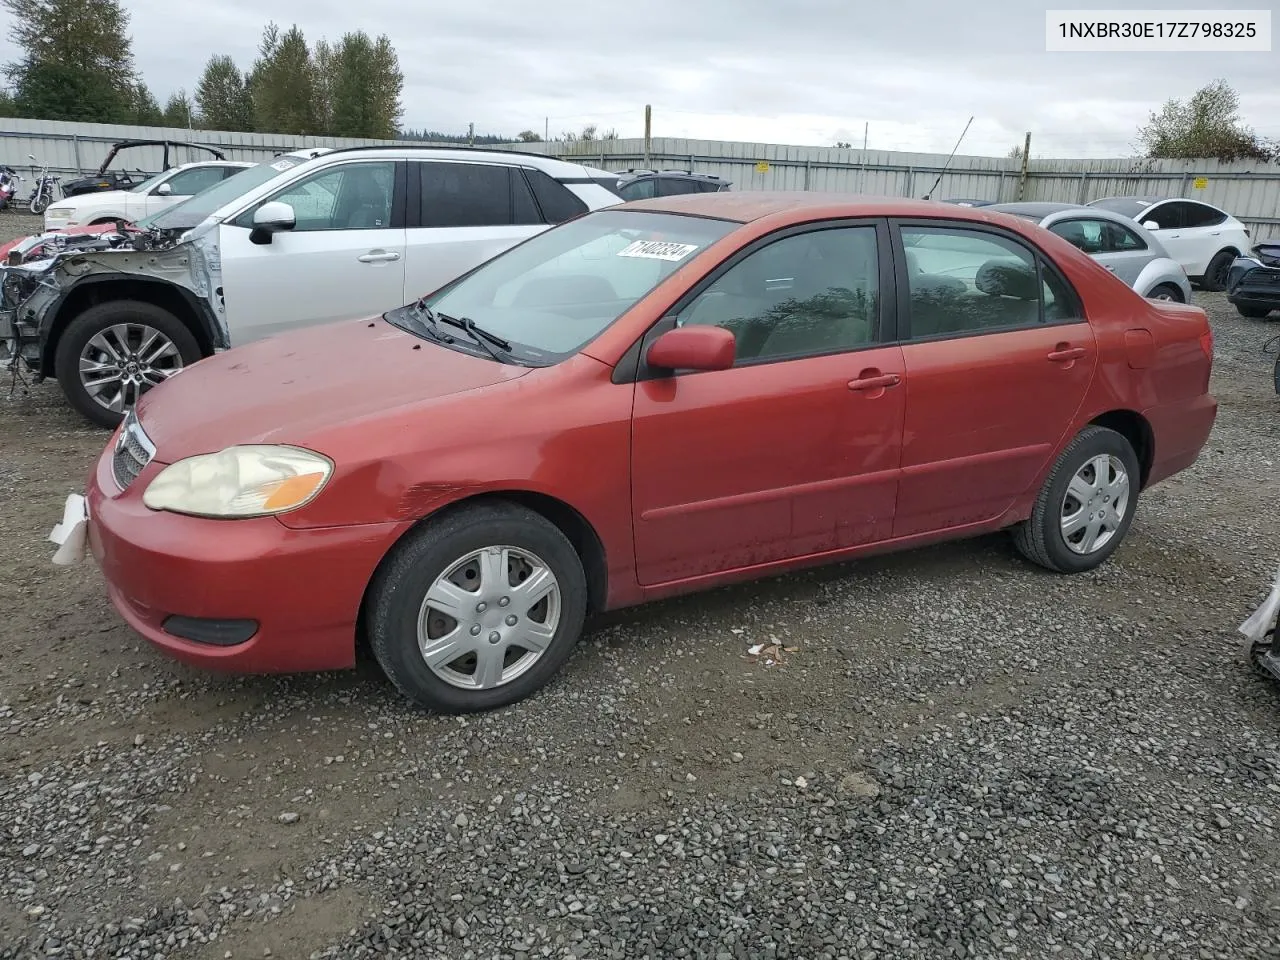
[(948, 163)]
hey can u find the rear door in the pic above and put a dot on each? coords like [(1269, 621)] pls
[(461, 214), (998, 359), (343, 259)]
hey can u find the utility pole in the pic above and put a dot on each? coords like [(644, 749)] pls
[(648, 133), (546, 128), (471, 135), (866, 127), (1022, 180)]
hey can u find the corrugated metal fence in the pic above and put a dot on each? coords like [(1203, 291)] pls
[(1248, 190)]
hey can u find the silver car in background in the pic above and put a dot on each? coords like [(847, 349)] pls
[(1121, 245)]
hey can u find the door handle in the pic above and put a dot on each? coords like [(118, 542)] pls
[(378, 256), (873, 380), (1112, 269), (1215, 233), (1066, 352)]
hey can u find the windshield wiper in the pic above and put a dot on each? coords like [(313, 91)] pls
[(429, 321), (490, 341)]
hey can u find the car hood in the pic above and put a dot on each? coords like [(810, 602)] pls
[(82, 229), (98, 196), (292, 387)]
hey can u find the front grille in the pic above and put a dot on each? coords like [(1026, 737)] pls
[(133, 452)]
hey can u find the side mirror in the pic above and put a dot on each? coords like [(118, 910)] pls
[(693, 348), (1150, 225), (164, 190), (271, 218)]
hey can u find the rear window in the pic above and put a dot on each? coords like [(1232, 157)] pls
[(557, 201)]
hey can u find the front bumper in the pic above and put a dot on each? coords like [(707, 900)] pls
[(300, 589), (1252, 283)]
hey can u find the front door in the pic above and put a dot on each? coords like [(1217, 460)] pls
[(998, 361), (793, 451), (344, 258), (462, 214)]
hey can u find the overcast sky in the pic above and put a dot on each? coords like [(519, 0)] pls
[(779, 71)]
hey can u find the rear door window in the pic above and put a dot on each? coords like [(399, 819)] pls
[(557, 202), (464, 194), (1201, 215)]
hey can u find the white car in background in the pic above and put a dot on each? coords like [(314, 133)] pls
[(307, 238), (150, 196), (1204, 239)]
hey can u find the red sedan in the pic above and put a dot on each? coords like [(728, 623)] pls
[(648, 400)]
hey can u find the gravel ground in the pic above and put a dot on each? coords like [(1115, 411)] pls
[(963, 757)]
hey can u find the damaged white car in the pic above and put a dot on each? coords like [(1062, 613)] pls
[(310, 237)]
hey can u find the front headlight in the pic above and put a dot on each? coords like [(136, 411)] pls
[(59, 213), (244, 481)]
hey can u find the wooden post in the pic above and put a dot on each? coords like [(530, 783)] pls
[(1026, 156), (648, 134)]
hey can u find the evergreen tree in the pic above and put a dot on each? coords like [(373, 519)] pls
[(366, 87), (283, 83), (222, 96), (77, 61)]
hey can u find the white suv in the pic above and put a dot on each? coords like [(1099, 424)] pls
[(1204, 239), (150, 196), (296, 241)]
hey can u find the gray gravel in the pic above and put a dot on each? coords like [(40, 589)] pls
[(965, 757)]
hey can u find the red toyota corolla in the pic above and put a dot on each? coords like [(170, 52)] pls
[(647, 400)]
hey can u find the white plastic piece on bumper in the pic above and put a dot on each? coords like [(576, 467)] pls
[(71, 534), (1262, 619)]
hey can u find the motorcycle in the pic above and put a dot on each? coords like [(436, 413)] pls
[(42, 194), (9, 181)]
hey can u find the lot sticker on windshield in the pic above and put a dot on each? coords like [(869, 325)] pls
[(284, 164), (658, 250)]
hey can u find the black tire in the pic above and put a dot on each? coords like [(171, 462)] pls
[(1253, 313), (1172, 292), (413, 566), (1040, 538), (1215, 275), (66, 360), (39, 204)]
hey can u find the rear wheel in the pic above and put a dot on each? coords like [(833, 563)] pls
[(477, 609), (1085, 506), (116, 351), (1215, 275), (1166, 291), (1253, 313)]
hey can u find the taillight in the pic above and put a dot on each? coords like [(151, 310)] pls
[(1206, 342)]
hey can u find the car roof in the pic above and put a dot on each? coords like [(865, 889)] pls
[(552, 166), (213, 163), (745, 206), (1035, 208)]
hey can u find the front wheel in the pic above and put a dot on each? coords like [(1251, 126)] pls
[(39, 203), (116, 351), (477, 609), (1215, 275), (1085, 506)]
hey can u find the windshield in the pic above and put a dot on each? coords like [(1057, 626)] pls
[(555, 293), (147, 184), (188, 213)]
